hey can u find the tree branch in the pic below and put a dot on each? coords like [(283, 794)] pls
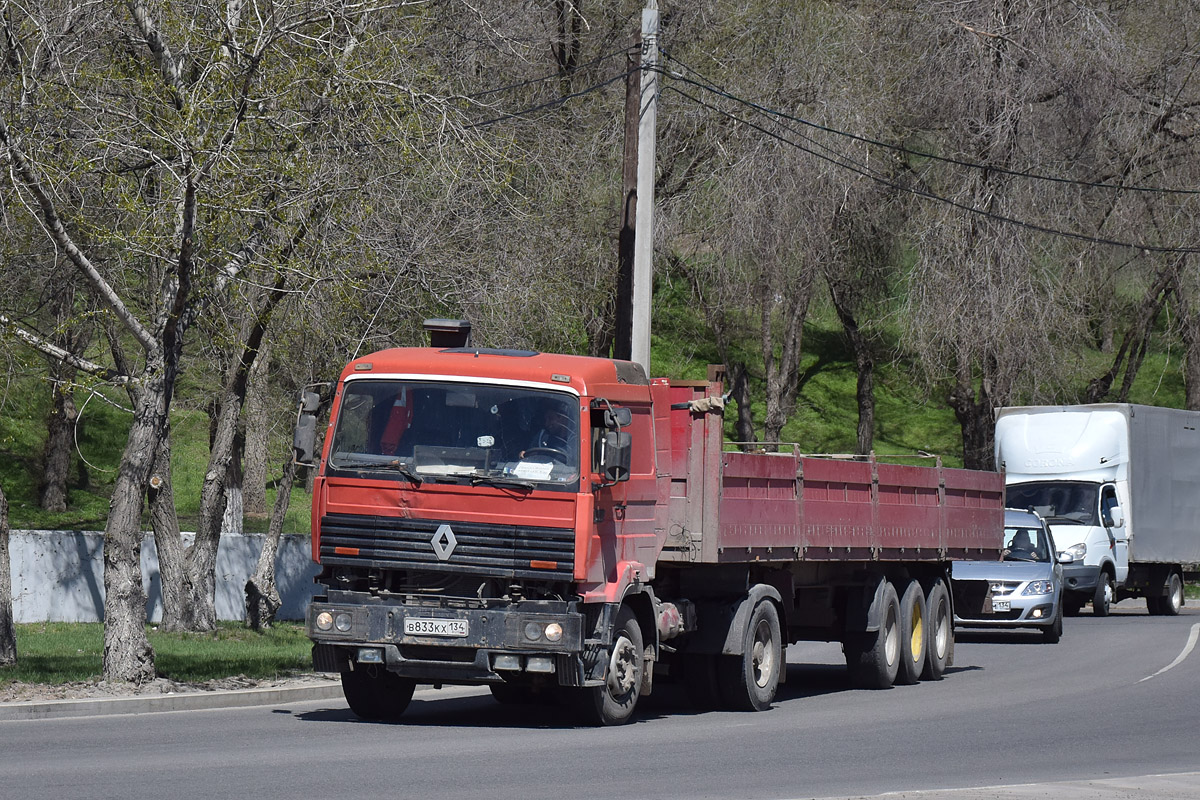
[(66, 356)]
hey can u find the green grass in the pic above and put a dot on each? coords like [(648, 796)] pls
[(61, 652)]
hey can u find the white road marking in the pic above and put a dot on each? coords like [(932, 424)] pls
[(1187, 648)]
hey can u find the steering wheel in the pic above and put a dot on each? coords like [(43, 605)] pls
[(554, 453), (1021, 555)]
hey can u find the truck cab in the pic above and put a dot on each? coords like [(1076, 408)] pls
[(1072, 469)]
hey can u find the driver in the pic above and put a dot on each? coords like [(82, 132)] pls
[(1021, 545), (555, 431)]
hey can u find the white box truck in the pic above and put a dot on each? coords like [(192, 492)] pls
[(1119, 485)]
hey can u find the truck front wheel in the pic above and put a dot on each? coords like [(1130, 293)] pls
[(1102, 599), (749, 681), (375, 694), (613, 703)]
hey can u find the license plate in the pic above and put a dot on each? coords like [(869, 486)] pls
[(1001, 605), (416, 626)]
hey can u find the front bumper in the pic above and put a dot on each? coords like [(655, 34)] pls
[(1081, 578), (494, 648), (1026, 611)]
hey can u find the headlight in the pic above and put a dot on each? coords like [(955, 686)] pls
[(553, 632), (1077, 551), (533, 631), (324, 621), (1039, 587), (342, 622)]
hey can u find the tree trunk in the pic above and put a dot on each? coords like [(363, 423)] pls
[(8, 633), (974, 417), (782, 370), (232, 519), (167, 538), (254, 484), (59, 442), (128, 655), (864, 364), (262, 595)]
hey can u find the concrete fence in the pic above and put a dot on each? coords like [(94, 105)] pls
[(58, 576)]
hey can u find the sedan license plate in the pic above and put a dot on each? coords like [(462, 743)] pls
[(1001, 605), (419, 626)]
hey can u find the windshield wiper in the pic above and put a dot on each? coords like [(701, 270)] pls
[(394, 465), (500, 480)]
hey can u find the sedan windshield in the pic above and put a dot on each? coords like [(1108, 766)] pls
[(417, 431), (1026, 544)]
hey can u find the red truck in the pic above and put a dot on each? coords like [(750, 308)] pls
[(563, 526)]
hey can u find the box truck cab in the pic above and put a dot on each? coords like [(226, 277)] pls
[(1114, 482)]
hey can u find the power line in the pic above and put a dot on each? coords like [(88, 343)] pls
[(936, 197), (558, 101), (549, 76), (710, 87)]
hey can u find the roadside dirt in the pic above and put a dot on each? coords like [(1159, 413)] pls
[(33, 692)]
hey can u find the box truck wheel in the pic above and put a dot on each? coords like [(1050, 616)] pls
[(940, 650), (614, 701), (748, 682), (913, 636), (373, 693), (1173, 601), (1102, 599), (873, 658)]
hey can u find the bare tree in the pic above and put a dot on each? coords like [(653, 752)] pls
[(8, 634)]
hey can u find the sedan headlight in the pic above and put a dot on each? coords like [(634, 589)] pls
[(1077, 551), (1039, 587)]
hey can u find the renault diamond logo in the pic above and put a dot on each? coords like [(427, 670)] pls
[(444, 542)]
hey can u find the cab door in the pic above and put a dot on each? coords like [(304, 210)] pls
[(1111, 513)]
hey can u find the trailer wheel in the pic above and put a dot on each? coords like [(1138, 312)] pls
[(375, 694), (613, 702), (940, 650), (1172, 603), (873, 658), (913, 636), (749, 682), (1102, 599)]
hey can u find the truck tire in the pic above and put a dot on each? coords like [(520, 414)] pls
[(1102, 599), (939, 652), (874, 658), (613, 702), (1172, 602), (1154, 604), (913, 636), (375, 694), (749, 682), (1053, 633)]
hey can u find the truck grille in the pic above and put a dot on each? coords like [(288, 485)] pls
[(497, 551)]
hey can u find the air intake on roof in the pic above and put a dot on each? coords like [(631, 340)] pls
[(448, 332)]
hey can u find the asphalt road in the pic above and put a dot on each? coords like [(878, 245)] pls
[(1116, 701)]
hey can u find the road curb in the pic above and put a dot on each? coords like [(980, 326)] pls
[(186, 701)]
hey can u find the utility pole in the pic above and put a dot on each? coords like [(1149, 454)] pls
[(643, 250), (623, 317)]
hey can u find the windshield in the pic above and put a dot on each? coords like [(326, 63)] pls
[(1063, 502), (1026, 544), (459, 432)]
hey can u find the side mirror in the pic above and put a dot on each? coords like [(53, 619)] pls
[(617, 418), (304, 440), (615, 450), (1066, 558), (1116, 518)]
